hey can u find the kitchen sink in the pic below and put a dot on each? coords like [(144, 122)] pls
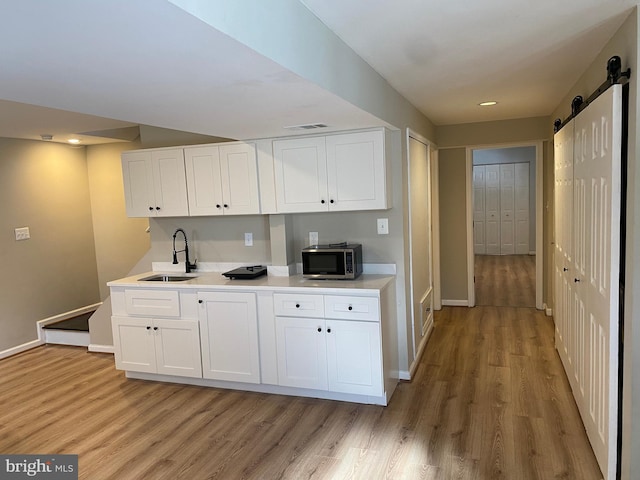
[(166, 278)]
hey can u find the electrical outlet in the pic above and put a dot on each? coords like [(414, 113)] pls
[(248, 239), (22, 233), (313, 238), (383, 226)]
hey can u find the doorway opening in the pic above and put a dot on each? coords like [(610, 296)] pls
[(504, 231)]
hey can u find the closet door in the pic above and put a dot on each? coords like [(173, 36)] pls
[(587, 267), (563, 239), (597, 187), (507, 209), (521, 207), (479, 210), (492, 200)]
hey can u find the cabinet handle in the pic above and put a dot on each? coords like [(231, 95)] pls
[(328, 330), (297, 305), (322, 202), (157, 208), (218, 205), (150, 209), (155, 328), (225, 205), (148, 327), (350, 308), (331, 201), (199, 301), (565, 269), (576, 280), (319, 329)]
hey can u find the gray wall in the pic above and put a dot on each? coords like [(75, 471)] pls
[(515, 155), (43, 186), (452, 164)]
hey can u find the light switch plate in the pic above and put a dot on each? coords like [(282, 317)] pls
[(22, 233), (313, 238), (383, 226), (248, 239)]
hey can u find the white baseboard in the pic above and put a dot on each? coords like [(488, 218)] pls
[(93, 347), (455, 303), (404, 375), (547, 311), (20, 348), (532, 253)]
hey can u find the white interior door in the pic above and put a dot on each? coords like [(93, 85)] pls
[(588, 267), (507, 211), (492, 217), (597, 167), (479, 210), (521, 207)]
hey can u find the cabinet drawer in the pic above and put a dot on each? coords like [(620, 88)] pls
[(298, 305), (352, 308), (160, 303)]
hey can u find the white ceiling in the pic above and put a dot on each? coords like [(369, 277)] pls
[(98, 66), (446, 56)]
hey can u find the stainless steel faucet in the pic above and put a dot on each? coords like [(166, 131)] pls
[(188, 266)]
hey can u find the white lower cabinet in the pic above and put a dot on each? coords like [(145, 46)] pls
[(317, 344), (153, 345), (354, 361), (302, 352), (229, 341), (332, 354)]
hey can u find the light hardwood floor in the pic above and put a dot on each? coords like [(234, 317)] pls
[(489, 401), (506, 280)]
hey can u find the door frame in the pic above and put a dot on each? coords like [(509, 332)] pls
[(539, 216)]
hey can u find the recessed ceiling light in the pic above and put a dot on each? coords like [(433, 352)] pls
[(488, 104), (74, 140)]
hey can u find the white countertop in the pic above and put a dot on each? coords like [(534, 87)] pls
[(364, 283)]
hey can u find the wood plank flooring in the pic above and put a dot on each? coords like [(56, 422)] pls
[(506, 280), (489, 401)]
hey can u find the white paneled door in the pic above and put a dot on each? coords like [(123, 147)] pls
[(479, 210), (501, 209), (588, 267)]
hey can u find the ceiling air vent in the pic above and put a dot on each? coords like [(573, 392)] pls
[(308, 126)]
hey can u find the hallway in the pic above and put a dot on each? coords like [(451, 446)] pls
[(505, 280)]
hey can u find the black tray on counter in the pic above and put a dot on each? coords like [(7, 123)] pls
[(246, 273)]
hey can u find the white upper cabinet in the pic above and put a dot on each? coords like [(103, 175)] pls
[(331, 173), (154, 183), (222, 180), (301, 175), (356, 174)]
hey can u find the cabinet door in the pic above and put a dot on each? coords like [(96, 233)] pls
[(356, 172), (133, 343), (301, 175), (354, 359), (177, 347), (229, 323), (302, 352), (239, 173), (204, 181), (138, 184), (170, 185)]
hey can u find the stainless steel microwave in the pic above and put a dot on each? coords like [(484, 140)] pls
[(340, 261)]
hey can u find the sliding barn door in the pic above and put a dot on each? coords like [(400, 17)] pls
[(563, 258), (591, 335)]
